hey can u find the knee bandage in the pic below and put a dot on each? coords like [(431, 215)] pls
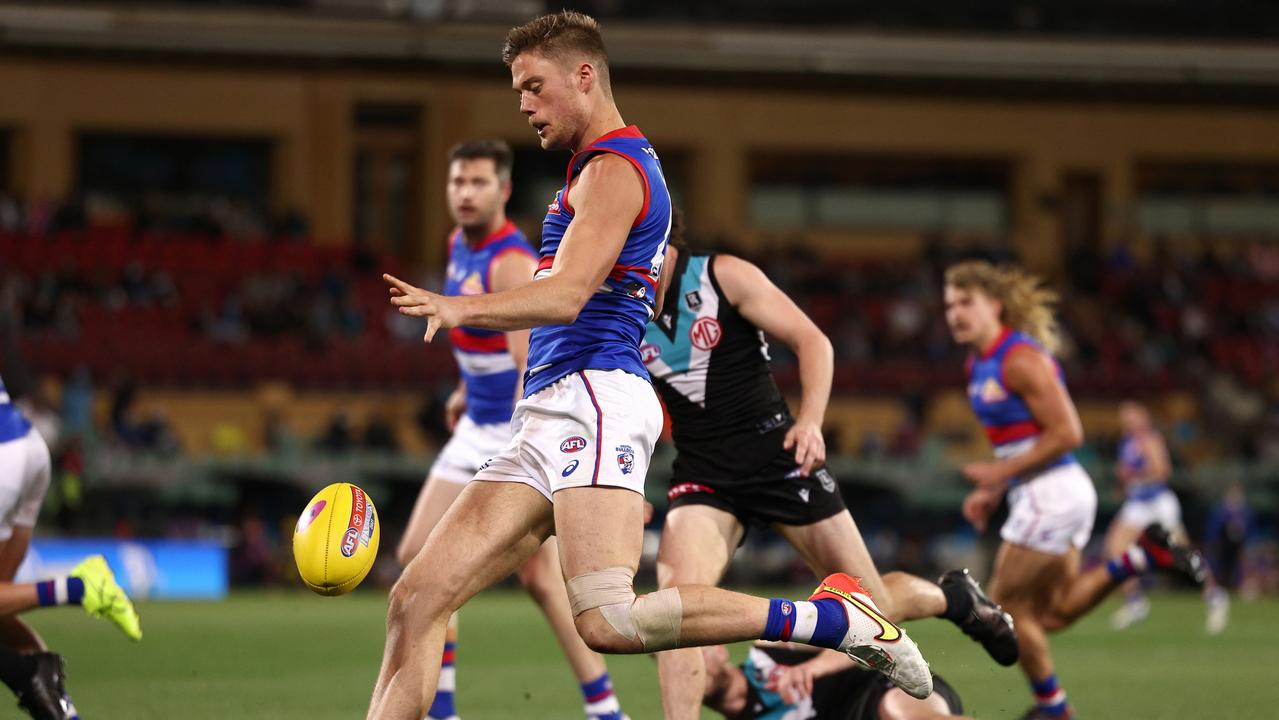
[(654, 619)]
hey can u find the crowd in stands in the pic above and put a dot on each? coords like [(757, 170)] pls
[(201, 301)]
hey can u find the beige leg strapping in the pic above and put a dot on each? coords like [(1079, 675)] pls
[(653, 619)]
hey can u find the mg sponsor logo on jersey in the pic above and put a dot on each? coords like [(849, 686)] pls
[(649, 352), (705, 333), (573, 444), (625, 459)]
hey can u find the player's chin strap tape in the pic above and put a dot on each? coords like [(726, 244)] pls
[(653, 619)]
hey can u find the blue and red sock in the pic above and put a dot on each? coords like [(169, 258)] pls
[(822, 622), (601, 703), (443, 706), (1131, 562), (1050, 698), (60, 591)]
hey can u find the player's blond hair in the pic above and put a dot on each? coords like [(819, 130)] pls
[(562, 35), (1027, 305)]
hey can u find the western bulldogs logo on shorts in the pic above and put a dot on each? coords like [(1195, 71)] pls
[(573, 444), (625, 459)]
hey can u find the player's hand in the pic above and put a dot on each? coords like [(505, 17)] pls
[(989, 475), (440, 311), (979, 505), (454, 407), (805, 438), (792, 682)]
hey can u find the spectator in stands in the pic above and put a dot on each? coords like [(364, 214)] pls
[(379, 433), (337, 437)]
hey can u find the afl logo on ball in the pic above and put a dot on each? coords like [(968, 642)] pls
[(705, 333), (573, 444), (349, 541)]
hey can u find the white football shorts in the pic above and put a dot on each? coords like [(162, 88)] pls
[(24, 479), (1163, 509), (1052, 512), (471, 446), (593, 427)]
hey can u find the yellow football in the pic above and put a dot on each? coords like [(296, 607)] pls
[(335, 541)]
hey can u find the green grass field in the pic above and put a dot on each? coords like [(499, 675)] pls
[(295, 655)]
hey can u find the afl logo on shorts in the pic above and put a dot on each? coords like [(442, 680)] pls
[(573, 444), (705, 333), (649, 352)]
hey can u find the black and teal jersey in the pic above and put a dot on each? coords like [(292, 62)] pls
[(710, 365), (852, 694)]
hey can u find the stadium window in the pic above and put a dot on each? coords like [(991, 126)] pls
[(186, 183), (1180, 199), (388, 148), (868, 193)]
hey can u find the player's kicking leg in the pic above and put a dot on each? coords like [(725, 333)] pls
[(488, 532), (1119, 536), (835, 542), (541, 576), (601, 531), (443, 485), (698, 542)]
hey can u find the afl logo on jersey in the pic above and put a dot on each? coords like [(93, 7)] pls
[(554, 207), (573, 444), (705, 333), (649, 352)]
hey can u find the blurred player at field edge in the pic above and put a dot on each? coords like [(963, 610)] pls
[(1143, 470), (25, 472), (1018, 392)]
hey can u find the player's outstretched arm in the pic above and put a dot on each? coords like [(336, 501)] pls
[(795, 682), (607, 197), (1033, 376), (1156, 452), (771, 310)]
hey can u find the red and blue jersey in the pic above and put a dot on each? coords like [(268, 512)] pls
[(13, 424), (1010, 426), (609, 328), (1132, 457), (482, 356)]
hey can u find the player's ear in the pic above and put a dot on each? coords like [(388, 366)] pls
[(586, 77)]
